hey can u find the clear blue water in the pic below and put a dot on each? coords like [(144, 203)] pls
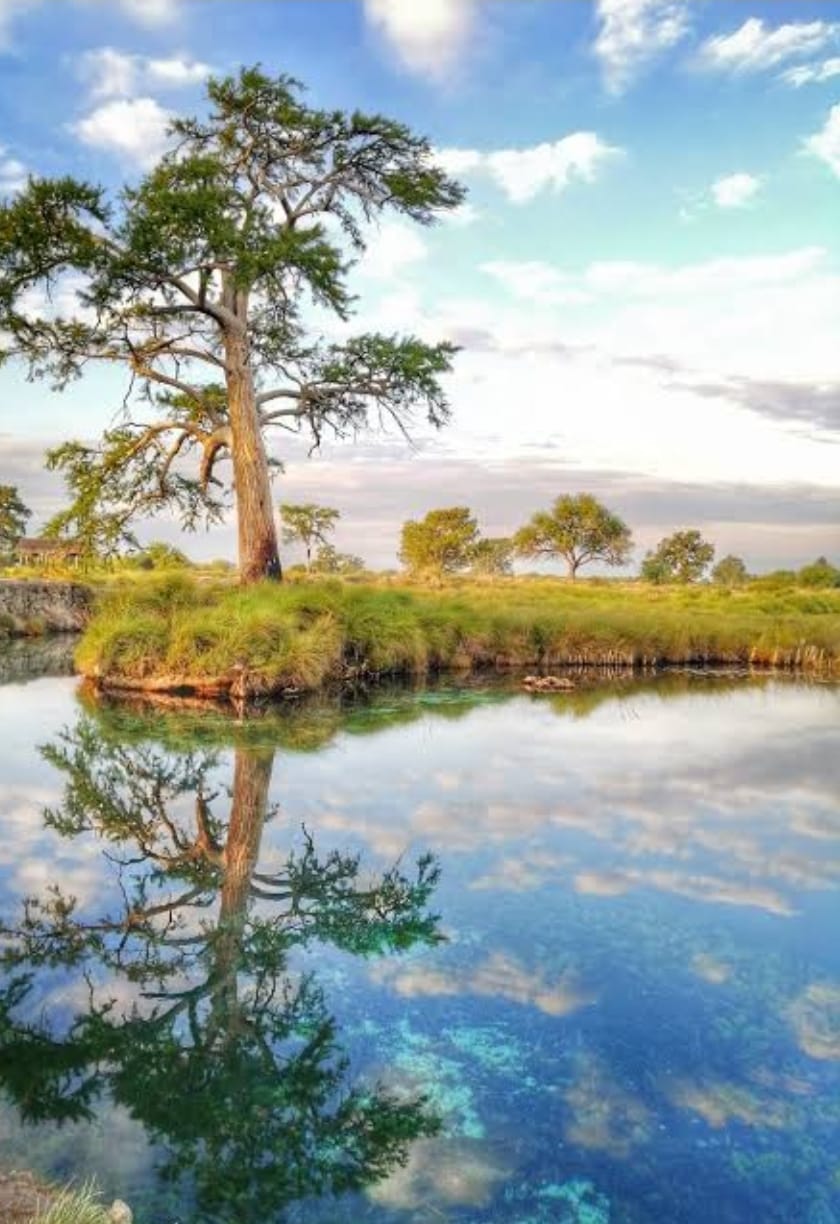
[(618, 1001)]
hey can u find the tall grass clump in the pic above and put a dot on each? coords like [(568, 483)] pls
[(82, 1206), (302, 636)]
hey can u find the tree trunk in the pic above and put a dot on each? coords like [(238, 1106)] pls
[(257, 535), (251, 782), (572, 564)]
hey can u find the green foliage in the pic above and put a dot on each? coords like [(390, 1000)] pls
[(578, 529), (441, 543), (13, 518), (730, 571), (820, 573), (307, 524), (682, 557), (329, 561), (198, 281), (492, 555), (161, 556)]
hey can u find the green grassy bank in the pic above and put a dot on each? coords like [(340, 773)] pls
[(223, 640)]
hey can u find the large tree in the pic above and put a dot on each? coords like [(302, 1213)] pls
[(440, 543), (578, 529), (13, 517), (682, 557), (307, 524), (198, 281)]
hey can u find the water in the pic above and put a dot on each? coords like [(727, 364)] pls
[(460, 954)]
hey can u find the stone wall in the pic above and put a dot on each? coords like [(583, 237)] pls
[(42, 607)]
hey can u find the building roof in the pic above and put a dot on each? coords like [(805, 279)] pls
[(46, 544)]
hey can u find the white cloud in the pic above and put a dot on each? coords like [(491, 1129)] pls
[(825, 144), (462, 216), (459, 161), (535, 281), (808, 74), (735, 190), (544, 284), (524, 173), (428, 37), (755, 47), (391, 248), (12, 174), (145, 12), (135, 130), (113, 74), (633, 33), (715, 276)]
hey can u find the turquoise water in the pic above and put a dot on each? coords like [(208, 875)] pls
[(459, 954)]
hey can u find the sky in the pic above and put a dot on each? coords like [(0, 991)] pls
[(644, 281)]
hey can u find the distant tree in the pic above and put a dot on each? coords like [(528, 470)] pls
[(820, 573), (13, 517), (165, 556), (730, 571), (329, 561), (307, 524), (492, 555), (440, 543), (197, 281), (578, 529), (682, 557)]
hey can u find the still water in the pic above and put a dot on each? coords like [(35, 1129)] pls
[(459, 954)]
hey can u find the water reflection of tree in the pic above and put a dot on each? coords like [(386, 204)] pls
[(228, 1058)]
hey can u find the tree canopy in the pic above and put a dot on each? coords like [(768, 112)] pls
[(13, 517), (820, 573), (730, 571), (307, 524), (492, 555), (329, 561), (579, 530), (682, 557), (198, 281), (440, 543)]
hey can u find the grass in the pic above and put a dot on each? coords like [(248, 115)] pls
[(82, 1206), (175, 633)]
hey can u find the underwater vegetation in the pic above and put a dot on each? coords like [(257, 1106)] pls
[(815, 1018)]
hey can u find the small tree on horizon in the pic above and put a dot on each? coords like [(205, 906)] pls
[(492, 555), (578, 529), (682, 557), (307, 524), (328, 560), (13, 518), (198, 282), (440, 543), (730, 571), (820, 573)]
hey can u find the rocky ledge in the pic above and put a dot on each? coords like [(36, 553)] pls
[(32, 608)]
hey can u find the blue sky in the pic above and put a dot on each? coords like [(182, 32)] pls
[(645, 281)]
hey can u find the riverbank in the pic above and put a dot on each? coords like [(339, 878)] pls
[(222, 642)]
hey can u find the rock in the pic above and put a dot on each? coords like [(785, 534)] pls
[(548, 684), (120, 1213), (42, 607)]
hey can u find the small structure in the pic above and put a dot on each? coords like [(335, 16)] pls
[(43, 550)]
